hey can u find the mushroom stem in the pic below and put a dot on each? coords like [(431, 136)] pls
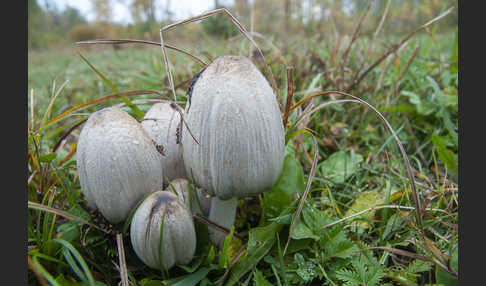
[(223, 213)]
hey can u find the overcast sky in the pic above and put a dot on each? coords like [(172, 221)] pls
[(180, 8)]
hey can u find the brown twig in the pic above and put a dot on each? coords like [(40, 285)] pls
[(217, 226), (290, 94), (121, 256), (129, 41)]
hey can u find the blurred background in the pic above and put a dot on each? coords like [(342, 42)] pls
[(60, 23)]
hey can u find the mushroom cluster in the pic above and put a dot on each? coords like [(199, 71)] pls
[(239, 152)]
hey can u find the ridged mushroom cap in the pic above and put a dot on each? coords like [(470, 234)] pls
[(117, 163), (200, 200), (234, 115), (161, 123), (178, 234)]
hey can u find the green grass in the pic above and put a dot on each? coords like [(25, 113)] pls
[(359, 167)]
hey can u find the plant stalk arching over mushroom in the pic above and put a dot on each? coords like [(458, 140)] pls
[(117, 163), (236, 118), (161, 122)]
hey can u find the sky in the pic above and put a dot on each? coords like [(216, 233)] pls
[(180, 8)]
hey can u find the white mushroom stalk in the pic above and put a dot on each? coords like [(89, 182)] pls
[(117, 163), (199, 202), (235, 116), (161, 123), (177, 245)]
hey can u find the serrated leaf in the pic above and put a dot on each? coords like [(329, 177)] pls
[(301, 231), (418, 266), (340, 166)]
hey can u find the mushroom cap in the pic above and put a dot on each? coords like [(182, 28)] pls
[(161, 122), (117, 163), (235, 116), (178, 234), (200, 200)]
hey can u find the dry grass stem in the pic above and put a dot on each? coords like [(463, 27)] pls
[(290, 94), (306, 192), (130, 41), (62, 213), (122, 262)]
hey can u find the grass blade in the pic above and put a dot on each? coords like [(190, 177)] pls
[(132, 106), (78, 257)]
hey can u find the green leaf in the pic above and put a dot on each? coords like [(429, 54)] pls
[(340, 166), (301, 231), (445, 155), (281, 195), (306, 269), (454, 58), (418, 266), (224, 257), (445, 278), (261, 240), (194, 278), (423, 107), (260, 279), (366, 200), (48, 158)]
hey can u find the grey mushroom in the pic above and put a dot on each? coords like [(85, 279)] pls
[(234, 115), (178, 242), (117, 163)]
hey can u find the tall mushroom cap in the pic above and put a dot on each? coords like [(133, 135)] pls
[(117, 163), (199, 202), (178, 233), (234, 115), (161, 122)]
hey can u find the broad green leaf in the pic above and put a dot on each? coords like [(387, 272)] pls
[(423, 107), (261, 240), (445, 155), (301, 231), (340, 166), (194, 278), (366, 200), (281, 195), (48, 158), (445, 278)]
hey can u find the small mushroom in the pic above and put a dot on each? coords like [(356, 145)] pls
[(234, 115), (117, 163), (178, 242), (198, 203), (161, 123)]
